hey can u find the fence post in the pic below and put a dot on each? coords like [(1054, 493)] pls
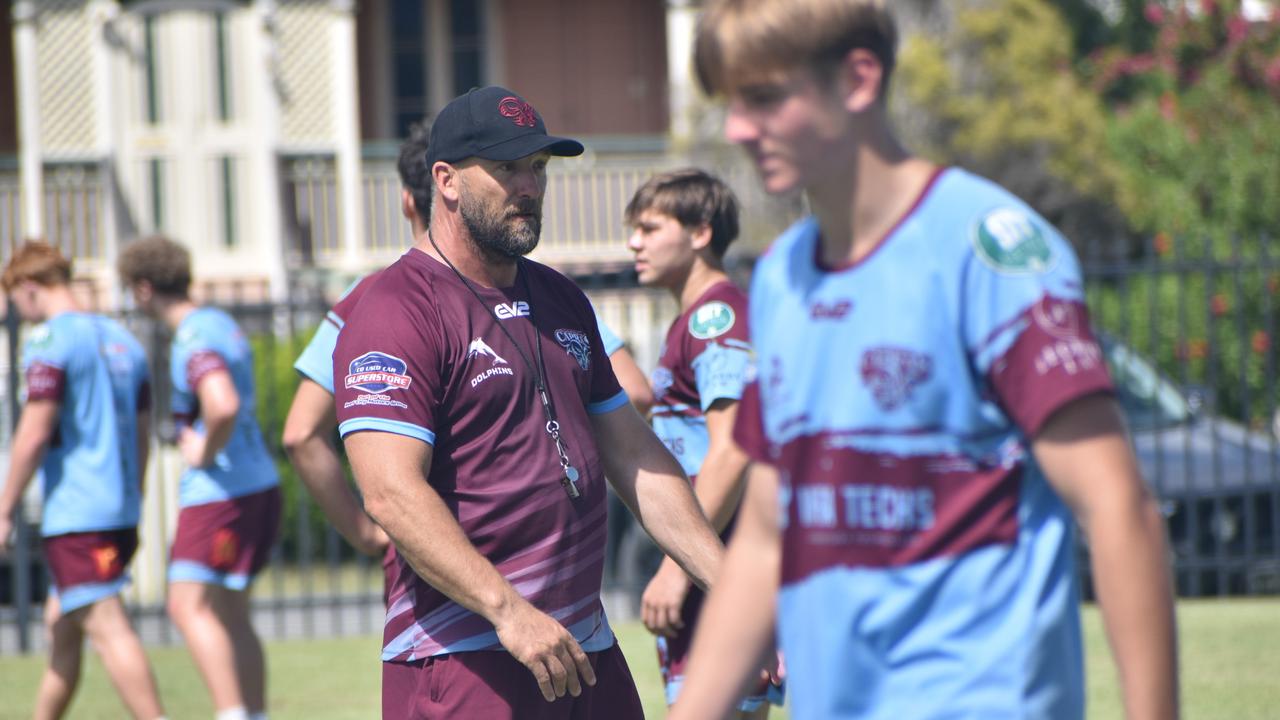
[(21, 567)]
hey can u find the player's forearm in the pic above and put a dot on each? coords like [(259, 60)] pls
[(733, 636), (1130, 571), (28, 448), (720, 484), (321, 472), (217, 433), (668, 511), (429, 538)]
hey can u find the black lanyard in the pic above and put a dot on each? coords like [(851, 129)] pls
[(569, 474)]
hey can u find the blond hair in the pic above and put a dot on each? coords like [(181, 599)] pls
[(741, 40), (39, 262)]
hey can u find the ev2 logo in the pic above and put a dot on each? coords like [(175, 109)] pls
[(506, 311)]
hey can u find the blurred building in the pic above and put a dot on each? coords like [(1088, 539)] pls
[(263, 133)]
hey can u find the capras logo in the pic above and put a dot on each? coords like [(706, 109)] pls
[(506, 311)]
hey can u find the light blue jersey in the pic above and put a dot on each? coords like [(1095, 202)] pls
[(208, 340), (927, 565), (97, 370), (608, 338)]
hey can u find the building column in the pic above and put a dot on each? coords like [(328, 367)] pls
[(347, 128), (30, 155), (682, 21), (102, 13), (439, 56), (268, 228)]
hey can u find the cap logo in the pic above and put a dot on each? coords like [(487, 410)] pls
[(520, 112)]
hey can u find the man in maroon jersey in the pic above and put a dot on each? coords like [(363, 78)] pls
[(481, 417)]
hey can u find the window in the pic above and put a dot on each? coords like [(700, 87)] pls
[(222, 67), (408, 63), (467, 31), (227, 169)]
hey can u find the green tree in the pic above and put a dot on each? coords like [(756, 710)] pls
[(1195, 126), (998, 94)]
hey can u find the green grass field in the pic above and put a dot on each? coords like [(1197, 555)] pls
[(1230, 670)]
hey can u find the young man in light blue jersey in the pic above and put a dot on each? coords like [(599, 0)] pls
[(682, 223), (229, 499), (931, 418), (85, 427)]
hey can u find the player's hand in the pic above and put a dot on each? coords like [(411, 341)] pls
[(545, 646), (373, 540), (6, 533), (192, 444), (663, 598)]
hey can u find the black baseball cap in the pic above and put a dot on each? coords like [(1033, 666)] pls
[(495, 124)]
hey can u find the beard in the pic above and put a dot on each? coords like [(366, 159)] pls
[(499, 232)]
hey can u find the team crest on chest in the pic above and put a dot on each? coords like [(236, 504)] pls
[(893, 374), (577, 345)]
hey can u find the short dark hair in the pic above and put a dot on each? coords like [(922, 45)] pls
[(160, 261), (415, 174), (694, 198), (39, 262)]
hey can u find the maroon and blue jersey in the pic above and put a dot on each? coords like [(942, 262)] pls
[(422, 357), (316, 361), (704, 359), (208, 340), (927, 565), (97, 371)]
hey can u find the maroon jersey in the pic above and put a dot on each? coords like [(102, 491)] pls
[(421, 356)]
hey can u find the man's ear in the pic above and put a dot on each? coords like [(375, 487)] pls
[(447, 181), (408, 206), (859, 76), (700, 237)]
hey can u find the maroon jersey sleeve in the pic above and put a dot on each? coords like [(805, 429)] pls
[(45, 382), (387, 367), (748, 428)]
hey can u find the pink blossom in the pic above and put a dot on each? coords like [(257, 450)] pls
[(1154, 13)]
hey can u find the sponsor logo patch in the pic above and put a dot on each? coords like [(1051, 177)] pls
[(105, 560), (479, 348), (377, 372), (225, 548), (893, 374), (1011, 242), (835, 310), (39, 337), (577, 345), (711, 320), (506, 311)]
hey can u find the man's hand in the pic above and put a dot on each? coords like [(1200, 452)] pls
[(663, 598), (192, 444), (6, 533), (544, 646)]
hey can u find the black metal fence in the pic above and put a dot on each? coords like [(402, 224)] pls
[(1189, 330)]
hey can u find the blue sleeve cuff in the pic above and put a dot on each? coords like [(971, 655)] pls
[(608, 406), (396, 427)]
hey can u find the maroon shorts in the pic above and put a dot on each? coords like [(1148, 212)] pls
[(673, 655), (89, 566), (226, 542), (495, 686)]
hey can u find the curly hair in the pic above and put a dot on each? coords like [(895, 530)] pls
[(158, 260)]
